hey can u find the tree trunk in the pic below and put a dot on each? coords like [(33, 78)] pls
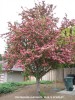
[(38, 86)]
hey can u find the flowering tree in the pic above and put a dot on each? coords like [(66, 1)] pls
[(37, 44)]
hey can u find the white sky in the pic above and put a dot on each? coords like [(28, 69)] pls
[(9, 10)]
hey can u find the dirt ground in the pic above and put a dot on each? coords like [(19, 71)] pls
[(29, 93)]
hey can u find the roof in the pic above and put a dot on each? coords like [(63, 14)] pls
[(15, 68)]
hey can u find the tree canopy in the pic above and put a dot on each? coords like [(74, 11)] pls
[(37, 44)]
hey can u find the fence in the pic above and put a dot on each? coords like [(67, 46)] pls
[(57, 74)]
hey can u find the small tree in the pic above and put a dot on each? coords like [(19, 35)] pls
[(37, 44)]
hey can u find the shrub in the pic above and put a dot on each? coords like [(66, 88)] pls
[(9, 87), (15, 84), (5, 89), (45, 82)]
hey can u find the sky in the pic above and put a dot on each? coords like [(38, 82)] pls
[(9, 10)]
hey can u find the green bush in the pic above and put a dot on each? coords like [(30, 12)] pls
[(9, 87), (45, 82), (5, 89), (15, 84), (28, 82)]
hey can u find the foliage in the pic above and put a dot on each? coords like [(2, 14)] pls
[(0, 57), (0, 68), (46, 82), (8, 87), (5, 89), (28, 83), (26, 74)]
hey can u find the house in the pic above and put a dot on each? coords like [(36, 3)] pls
[(14, 75)]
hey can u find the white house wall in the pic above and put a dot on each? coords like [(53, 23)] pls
[(15, 77), (3, 77)]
